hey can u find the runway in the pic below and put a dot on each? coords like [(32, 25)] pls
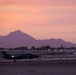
[(46, 65), (38, 67)]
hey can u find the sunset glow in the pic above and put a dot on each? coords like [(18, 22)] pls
[(42, 19)]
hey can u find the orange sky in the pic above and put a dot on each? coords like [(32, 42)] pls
[(43, 19)]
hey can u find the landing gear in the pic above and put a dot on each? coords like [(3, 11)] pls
[(14, 60)]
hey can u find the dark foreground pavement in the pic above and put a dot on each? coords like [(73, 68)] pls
[(49, 67)]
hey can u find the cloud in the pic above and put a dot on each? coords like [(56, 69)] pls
[(38, 2), (36, 5), (11, 8)]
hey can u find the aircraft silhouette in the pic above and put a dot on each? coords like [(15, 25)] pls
[(19, 55)]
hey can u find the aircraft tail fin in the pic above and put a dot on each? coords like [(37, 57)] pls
[(5, 53)]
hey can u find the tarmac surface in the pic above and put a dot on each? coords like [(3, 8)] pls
[(38, 67)]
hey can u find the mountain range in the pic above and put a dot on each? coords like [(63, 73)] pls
[(18, 38)]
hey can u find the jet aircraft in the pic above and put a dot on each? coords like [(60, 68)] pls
[(18, 55)]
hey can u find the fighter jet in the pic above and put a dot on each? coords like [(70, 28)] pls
[(18, 55)]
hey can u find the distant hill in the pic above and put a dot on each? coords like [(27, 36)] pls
[(18, 38)]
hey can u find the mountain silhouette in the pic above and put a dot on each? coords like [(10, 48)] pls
[(18, 38)]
